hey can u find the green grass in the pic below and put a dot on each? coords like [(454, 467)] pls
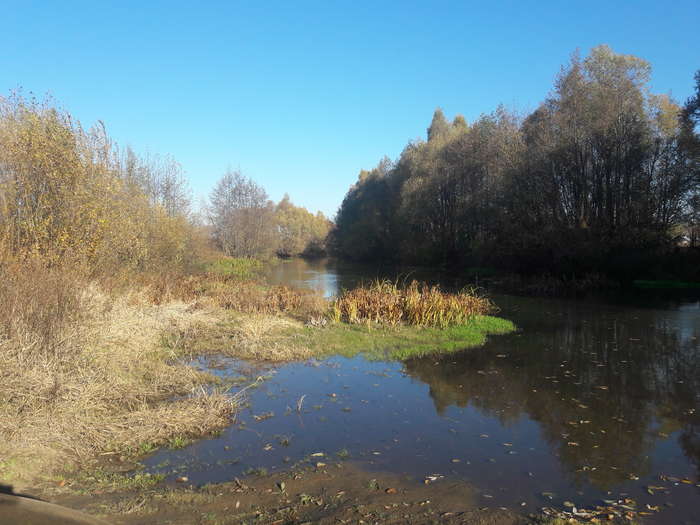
[(178, 442), (241, 267), (397, 343)]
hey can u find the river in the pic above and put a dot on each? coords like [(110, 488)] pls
[(591, 399)]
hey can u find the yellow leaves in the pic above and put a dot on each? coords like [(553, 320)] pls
[(59, 194)]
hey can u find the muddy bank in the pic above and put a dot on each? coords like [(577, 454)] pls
[(338, 492)]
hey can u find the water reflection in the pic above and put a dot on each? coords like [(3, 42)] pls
[(331, 276), (605, 385), (588, 397)]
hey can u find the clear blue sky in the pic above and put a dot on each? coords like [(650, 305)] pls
[(302, 95)]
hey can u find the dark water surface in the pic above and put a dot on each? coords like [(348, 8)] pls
[(589, 400)]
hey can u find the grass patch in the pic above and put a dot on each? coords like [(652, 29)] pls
[(178, 442), (238, 267), (381, 321), (400, 342), (418, 304), (270, 338)]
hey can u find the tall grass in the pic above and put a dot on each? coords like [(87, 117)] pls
[(228, 291), (84, 373), (418, 304), (41, 307)]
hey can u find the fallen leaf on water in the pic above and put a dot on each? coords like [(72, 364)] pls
[(390, 490)]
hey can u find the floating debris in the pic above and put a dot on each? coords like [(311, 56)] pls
[(432, 478), (622, 510), (263, 416)]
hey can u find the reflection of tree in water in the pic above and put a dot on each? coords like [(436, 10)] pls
[(603, 391)]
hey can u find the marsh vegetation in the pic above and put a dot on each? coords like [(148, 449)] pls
[(112, 290)]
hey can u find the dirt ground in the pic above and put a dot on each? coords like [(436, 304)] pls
[(327, 494)]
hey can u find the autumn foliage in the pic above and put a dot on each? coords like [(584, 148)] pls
[(67, 193)]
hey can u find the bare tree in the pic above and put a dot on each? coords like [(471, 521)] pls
[(242, 217)]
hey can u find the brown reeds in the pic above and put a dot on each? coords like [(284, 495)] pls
[(85, 374), (384, 302), (232, 293)]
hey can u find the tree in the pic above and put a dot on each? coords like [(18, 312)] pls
[(299, 231), (602, 169), (438, 126), (242, 217), (690, 145)]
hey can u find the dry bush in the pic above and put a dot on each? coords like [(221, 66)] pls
[(90, 375), (42, 308), (231, 293), (418, 304)]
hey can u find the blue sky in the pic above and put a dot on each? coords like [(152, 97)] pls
[(301, 95)]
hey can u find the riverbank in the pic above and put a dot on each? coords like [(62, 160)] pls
[(320, 490), (110, 383), (106, 387)]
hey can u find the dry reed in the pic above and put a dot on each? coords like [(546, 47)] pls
[(218, 290), (384, 302), (84, 374)]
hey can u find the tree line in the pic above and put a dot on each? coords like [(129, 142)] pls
[(246, 223), (72, 195), (603, 174)]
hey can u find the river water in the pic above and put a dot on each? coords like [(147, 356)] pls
[(590, 399)]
